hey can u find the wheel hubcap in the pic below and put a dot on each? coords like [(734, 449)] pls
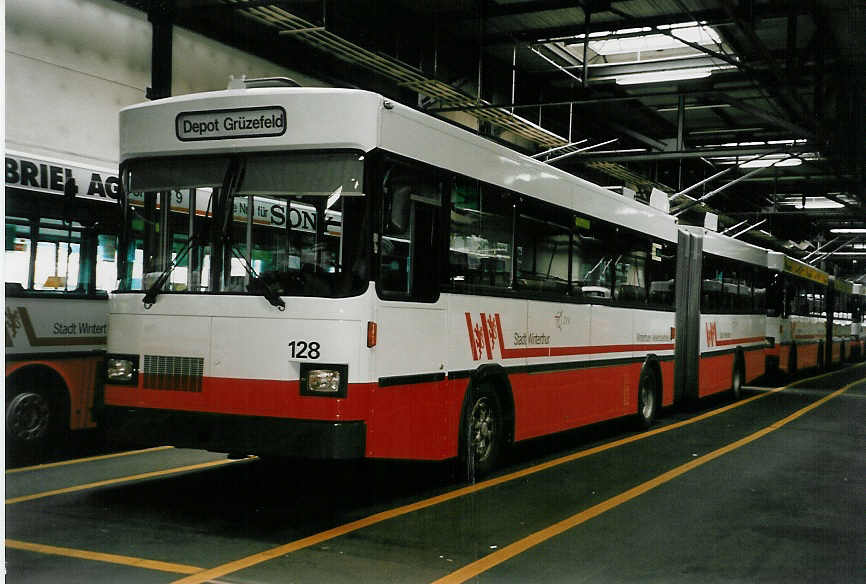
[(647, 400), (483, 429), (27, 416)]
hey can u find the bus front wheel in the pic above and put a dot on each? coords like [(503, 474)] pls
[(29, 419), (34, 416), (481, 433)]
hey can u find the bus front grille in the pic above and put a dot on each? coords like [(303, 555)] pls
[(172, 373)]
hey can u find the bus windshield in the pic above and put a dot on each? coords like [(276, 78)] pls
[(293, 222)]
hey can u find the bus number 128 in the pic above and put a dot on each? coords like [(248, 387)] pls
[(304, 350)]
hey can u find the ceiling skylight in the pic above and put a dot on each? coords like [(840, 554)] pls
[(622, 42)]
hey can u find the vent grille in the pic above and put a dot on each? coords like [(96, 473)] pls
[(173, 373)]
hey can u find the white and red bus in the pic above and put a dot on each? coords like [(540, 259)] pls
[(840, 315), (326, 273), (59, 265), (857, 333), (811, 315)]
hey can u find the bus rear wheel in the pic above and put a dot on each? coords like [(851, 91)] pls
[(737, 380), (647, 398), (482, 433)]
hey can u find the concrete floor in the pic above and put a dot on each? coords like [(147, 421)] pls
[(763, 492)]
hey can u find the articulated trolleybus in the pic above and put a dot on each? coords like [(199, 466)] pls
[(325, 273)]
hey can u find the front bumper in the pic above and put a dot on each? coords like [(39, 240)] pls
[(263, 436)]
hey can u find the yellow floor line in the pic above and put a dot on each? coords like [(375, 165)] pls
[(101, 557), (506, 553), (312, 540), (89, 459), (126, 479)]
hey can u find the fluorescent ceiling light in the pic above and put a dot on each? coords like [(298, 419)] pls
[(696, 107), (767, 162), (670, 75), (848, 230), (811, 203)]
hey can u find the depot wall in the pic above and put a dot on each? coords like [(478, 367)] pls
[(72, 64)]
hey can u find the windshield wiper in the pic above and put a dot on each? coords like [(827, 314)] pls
[(153, 291), (257, 283), (156, 287)]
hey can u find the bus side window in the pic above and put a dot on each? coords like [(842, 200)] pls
[(630, 272), (661, 273), (593, 260), (542, 251), (711, 285), (481, 225), (18, 252), (760, 290), (410, 236)]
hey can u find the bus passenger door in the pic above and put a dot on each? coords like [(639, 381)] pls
[(410, 354)]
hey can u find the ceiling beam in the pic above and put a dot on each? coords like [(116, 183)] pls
[(494, 10), (791, 99), (595, 98), (685, 154), (800, 131)]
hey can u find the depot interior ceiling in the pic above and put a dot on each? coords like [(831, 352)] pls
[(752, 109)]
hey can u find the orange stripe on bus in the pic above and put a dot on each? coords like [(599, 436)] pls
[(738, 341)]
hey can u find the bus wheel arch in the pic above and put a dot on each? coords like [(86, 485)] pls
[(649, 392), (486, 421), (37, 407)]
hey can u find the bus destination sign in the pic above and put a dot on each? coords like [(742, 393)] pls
[(234, 123)]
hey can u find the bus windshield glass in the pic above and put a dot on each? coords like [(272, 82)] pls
[(294, 223)]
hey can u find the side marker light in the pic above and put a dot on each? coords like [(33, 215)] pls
[(371, 334)]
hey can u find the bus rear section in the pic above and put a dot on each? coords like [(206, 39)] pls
[(799, 314), (721, 313)]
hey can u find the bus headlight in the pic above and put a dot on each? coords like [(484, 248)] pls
[(121, 369), (324, 380)]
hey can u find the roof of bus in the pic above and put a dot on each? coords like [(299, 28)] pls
[(783, 263), (461, 151), (347, 118), (729, 247)]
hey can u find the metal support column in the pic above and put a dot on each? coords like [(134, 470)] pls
[(681, 131), (791, 65), (587, 13), (514, 77), (161, 17), (481, 15)]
